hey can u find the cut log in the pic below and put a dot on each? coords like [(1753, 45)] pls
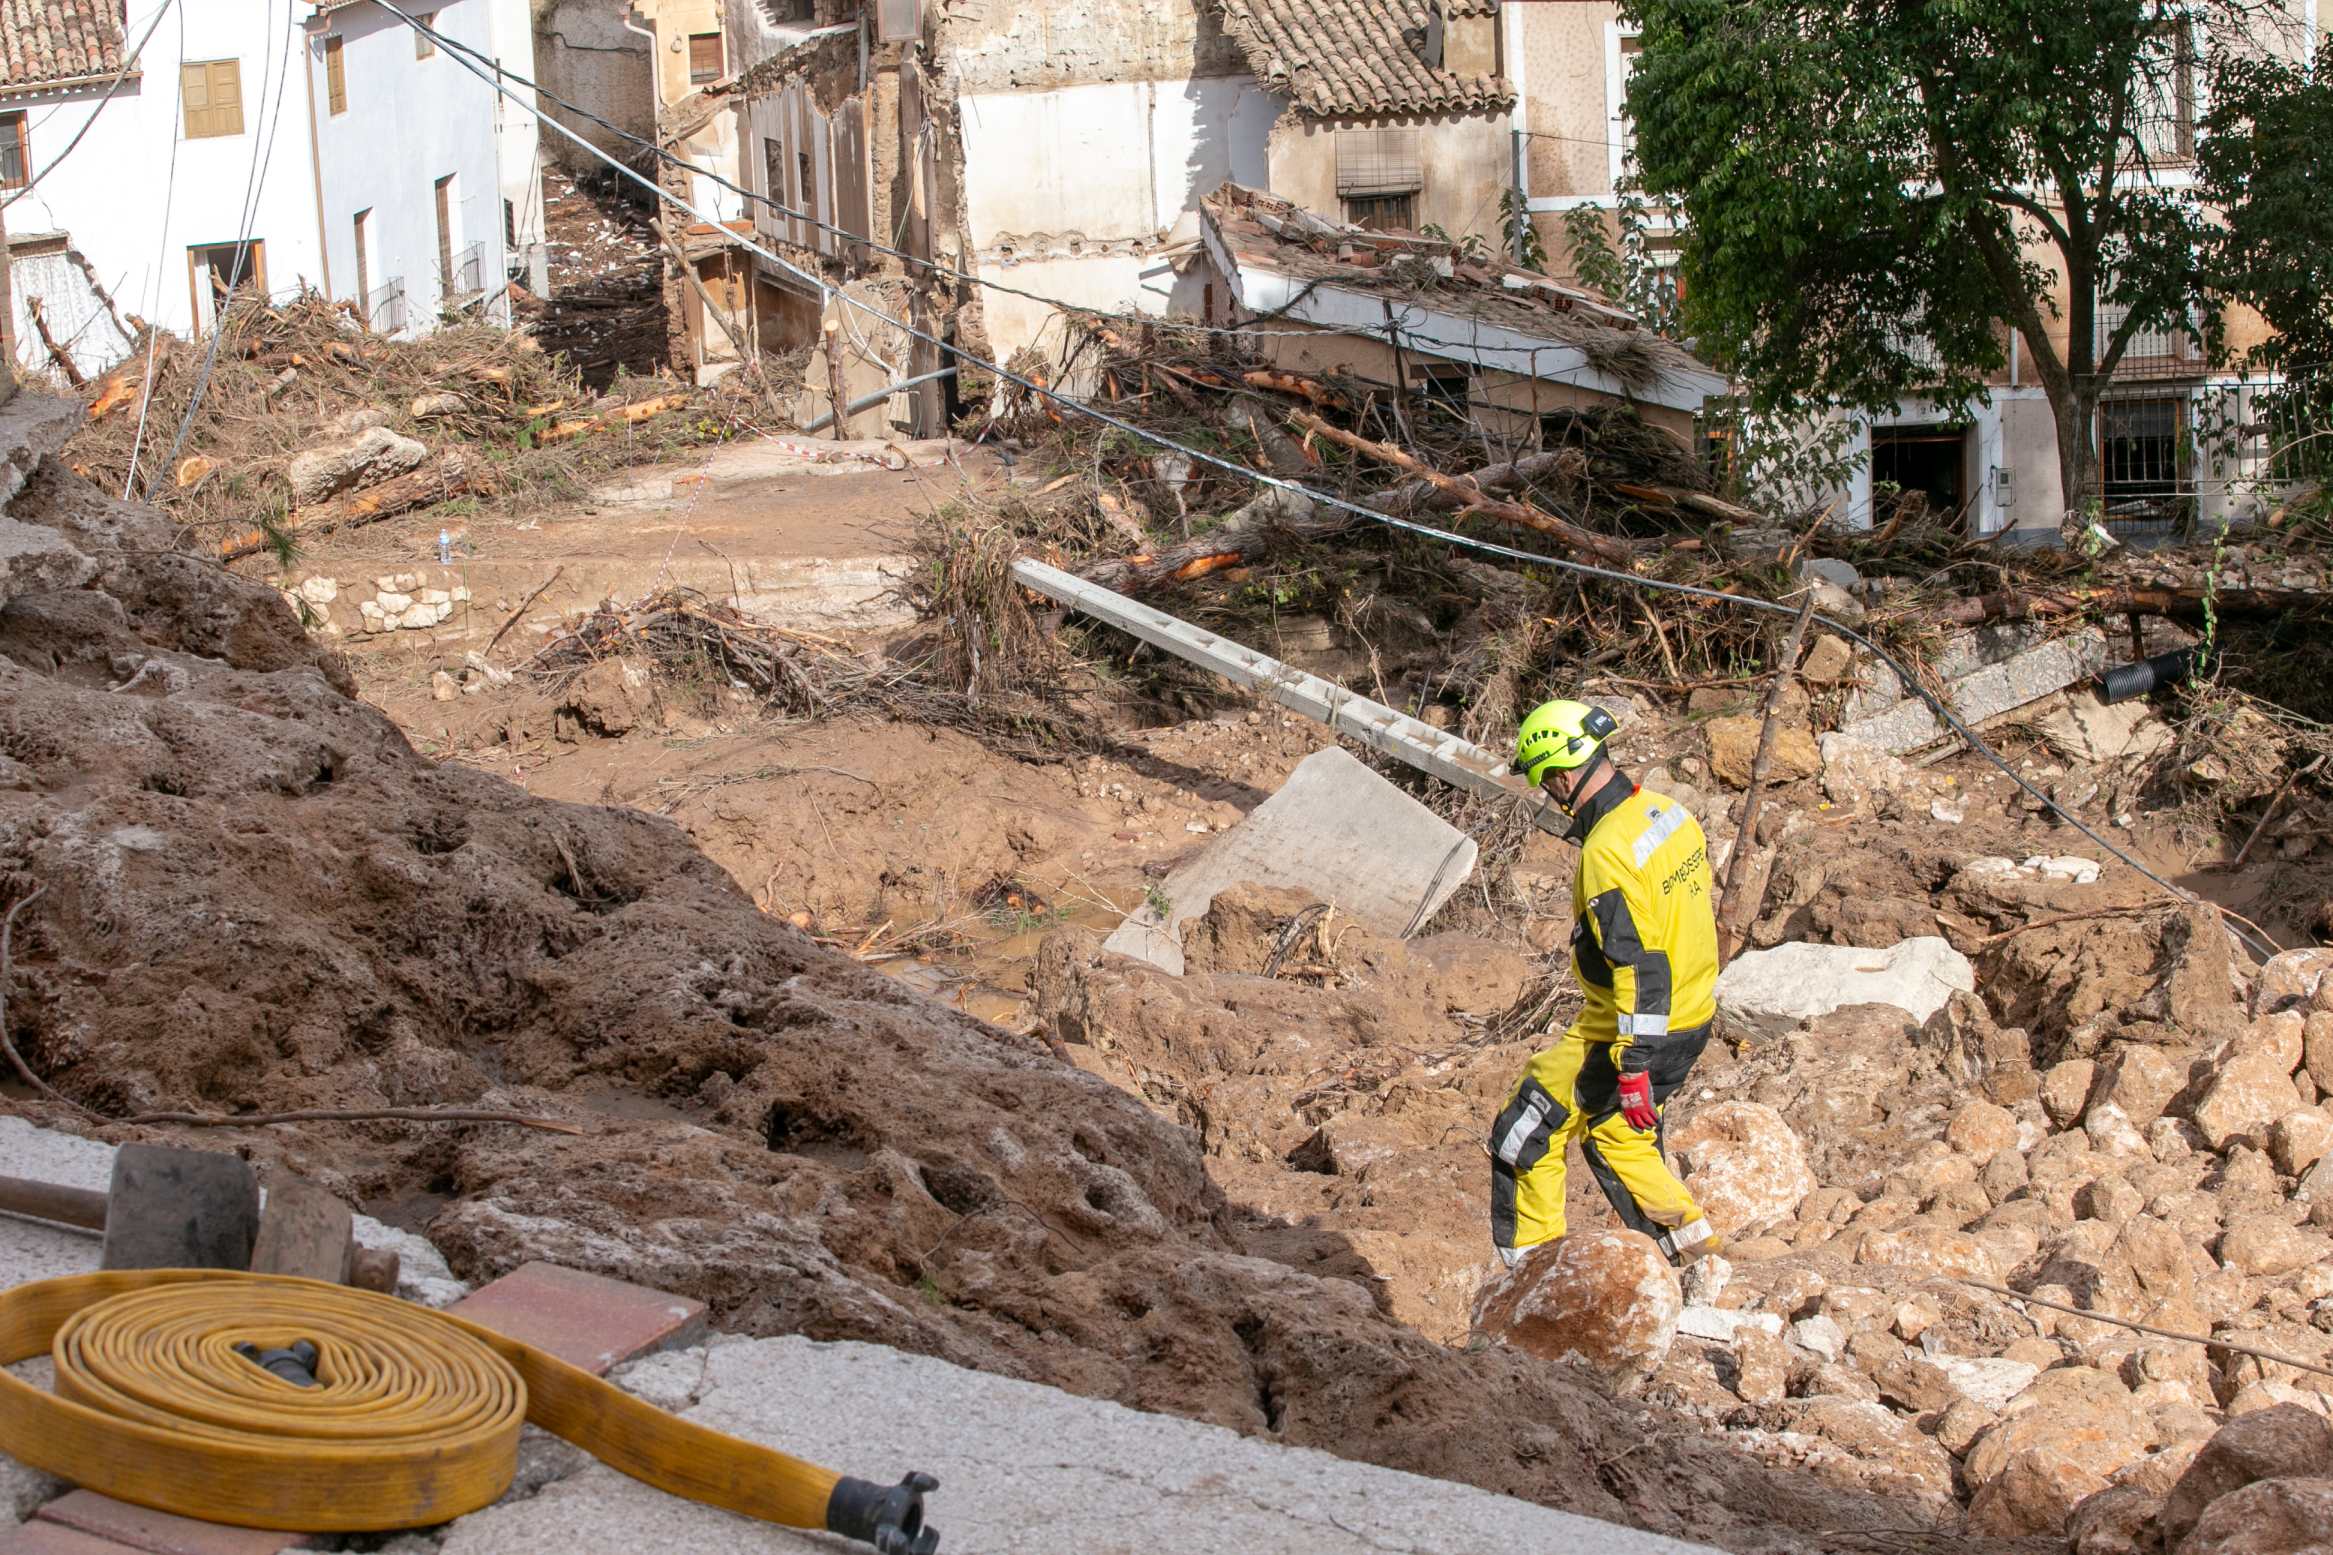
[(635, 414), (455, 475), (1278, 517), (120, 387), (1310, 389), (1606, 549)]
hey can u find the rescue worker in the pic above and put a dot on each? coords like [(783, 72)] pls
[(1644, 945)]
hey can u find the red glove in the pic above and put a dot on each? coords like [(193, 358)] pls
[(1636, 1101)]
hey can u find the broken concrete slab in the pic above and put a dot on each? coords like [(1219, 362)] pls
[(1335, 830), (1985, 673), (1767, 992), (1028, 1470)]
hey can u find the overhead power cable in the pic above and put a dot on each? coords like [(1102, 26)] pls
[(1392, 333), (827, 290)]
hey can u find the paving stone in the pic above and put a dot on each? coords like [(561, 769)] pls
[(584, 1319), (54, 1539), (120, 1525)]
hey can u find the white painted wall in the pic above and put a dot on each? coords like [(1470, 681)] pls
[(134, 217), (1118, 162), (410, 122), (1110, 283), (135, 195), (518, 136)]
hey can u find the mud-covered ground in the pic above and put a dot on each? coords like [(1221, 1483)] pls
[(1250, 1199)]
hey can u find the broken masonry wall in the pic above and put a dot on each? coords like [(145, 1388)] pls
[(1083, 137), (585, 54)]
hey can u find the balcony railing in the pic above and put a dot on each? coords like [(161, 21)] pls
[(469, 278), (385, 307), (2162, 352)]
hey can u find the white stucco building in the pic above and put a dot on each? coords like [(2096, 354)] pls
[(160, 152)]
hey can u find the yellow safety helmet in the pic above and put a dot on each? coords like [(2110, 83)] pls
[(1558, 736)]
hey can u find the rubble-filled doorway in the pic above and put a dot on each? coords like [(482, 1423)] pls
[(1930, 461), (215, 270)]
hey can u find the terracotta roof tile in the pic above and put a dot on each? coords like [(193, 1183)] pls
[(1350, 58), (58, 40)]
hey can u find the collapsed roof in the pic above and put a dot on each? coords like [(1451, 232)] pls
[(1286, 263)]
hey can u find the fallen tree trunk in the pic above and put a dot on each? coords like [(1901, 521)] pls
[(2176, 603), (1278, 517), (456, 475), (1471, 498)]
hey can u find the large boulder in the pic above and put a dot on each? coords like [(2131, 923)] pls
[(2033, 1494), (1733, 749), (1929, 1252), (2251, 1091), (2269, 1517), (1767, 992), (370, 457), (2141, 1080), (2077, 1412), (2276, 1443), (2268, 1245), (2119, 1520), (1890, 1454), (1606, 1300), (2289, 979), (1744, 1165)]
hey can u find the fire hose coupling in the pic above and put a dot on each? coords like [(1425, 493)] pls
[(890, 1517), (295, 1365)]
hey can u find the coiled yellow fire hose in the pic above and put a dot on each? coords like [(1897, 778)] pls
[(414, 1418)]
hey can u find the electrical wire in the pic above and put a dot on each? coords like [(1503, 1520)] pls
[(1392, 333), (154, 293), (119, 78), (1951, 720), (255, 183)]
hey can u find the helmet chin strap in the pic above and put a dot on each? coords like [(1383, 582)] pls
[(1581, 789)]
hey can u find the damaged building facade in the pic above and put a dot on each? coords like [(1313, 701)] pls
[(1065, 155), (1067, 146), (261, 128), (2178, 436)]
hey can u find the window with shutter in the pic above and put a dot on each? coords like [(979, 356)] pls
[(704, 57), (212, 92), (424, 45), (335, 77)]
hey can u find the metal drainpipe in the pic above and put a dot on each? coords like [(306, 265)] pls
[(870, 401), (316, 176)]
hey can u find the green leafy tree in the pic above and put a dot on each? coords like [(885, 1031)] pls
[(2267, 164), (1878, 191)]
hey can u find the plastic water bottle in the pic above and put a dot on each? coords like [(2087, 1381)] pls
[(445, 548)]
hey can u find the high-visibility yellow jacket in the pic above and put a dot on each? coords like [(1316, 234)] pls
[(1644, 936)]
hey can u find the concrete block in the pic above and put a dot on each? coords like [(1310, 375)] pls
[(1030, 1470), (1993, 677), (160, 1533), (584, 1319), (1335, 829)]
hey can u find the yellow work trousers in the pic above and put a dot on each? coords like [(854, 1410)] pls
[(1571, 1091)]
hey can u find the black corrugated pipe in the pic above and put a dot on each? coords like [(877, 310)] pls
[(2121, 682)]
